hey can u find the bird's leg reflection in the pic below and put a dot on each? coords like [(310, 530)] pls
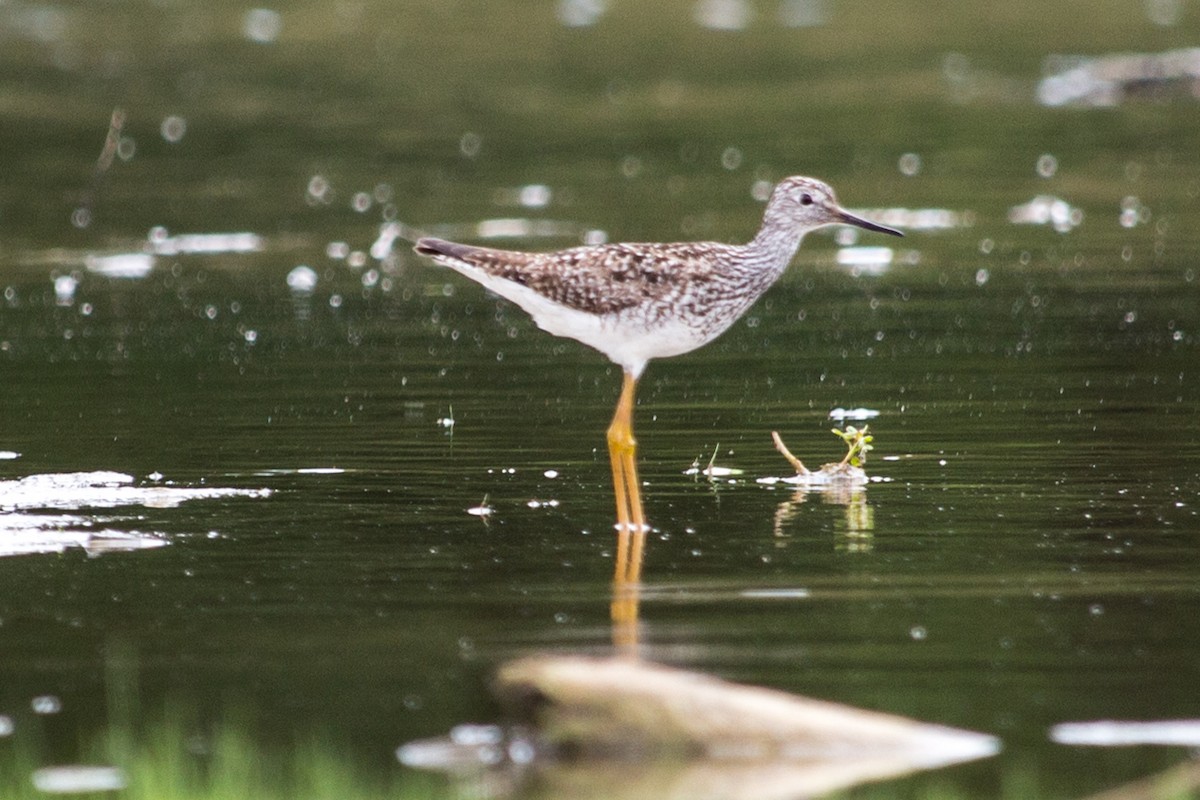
[(627, 588)]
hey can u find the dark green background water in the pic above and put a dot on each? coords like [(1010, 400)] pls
[(1033, 553)]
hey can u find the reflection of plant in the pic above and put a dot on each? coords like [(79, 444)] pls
[(858, 444)]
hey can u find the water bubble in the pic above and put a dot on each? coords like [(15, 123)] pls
[(909, 164), (761, 190), (731, 159), (64, 289), (318, 189), (335, 301), (173, 128), (251, 336), (210, 312), (802, 13), (470, 144), (1047, 165), (580, 13), (361, 202), (521, 752), (631, 166), (723, 15), (302, 279), (535, 195), (46, 704), (1164, 13), (81, 217), (918, 633), (337, 250), (262, 25), (126, 148), (981, 277)]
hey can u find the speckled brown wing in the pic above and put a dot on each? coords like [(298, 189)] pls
[(601, 279)]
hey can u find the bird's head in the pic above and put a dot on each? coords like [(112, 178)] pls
[(808, 203)]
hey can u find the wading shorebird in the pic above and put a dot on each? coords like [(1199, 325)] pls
[(635, 302)]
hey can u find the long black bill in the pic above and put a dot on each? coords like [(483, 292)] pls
[(850, 219)]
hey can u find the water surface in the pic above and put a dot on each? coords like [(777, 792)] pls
[(1027, 558)]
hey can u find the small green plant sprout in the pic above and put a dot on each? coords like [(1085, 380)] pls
[(851, 467), (858, 444)]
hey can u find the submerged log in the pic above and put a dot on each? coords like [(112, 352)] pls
[(621, 729), (626, 708)]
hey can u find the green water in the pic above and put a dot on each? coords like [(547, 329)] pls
[(1029, 558)]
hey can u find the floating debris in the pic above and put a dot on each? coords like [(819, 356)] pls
[(1046, 209), (25, 533), (848, 471), (711, 470), (1114, 733), (542, 503), (161, 242), (857, 414), (470, 747), (776, 594), (262, 473), (78, 779), (1105, 81), (102, 489), (872, 259), (481, 510), (919, 219), (120, 265)]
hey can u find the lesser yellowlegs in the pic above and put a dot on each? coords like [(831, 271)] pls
[(635, 302)]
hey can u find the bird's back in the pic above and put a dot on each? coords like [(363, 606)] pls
[(597, 279)]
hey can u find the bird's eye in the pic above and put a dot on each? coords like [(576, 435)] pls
[(806, 199)]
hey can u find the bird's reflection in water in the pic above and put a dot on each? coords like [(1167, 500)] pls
[(855, 533)]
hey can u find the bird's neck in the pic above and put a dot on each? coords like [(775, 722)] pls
[(773, 247)]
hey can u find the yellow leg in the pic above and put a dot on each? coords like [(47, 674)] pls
[(622, 452), (631, 521)]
